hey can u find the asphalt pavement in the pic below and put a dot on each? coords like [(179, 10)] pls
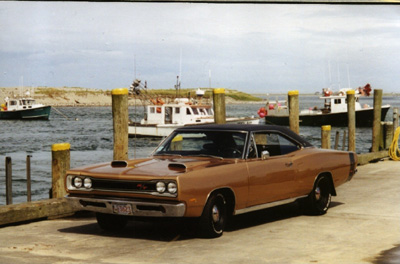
[(361, 226)]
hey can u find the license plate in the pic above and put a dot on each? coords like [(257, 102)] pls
[(122, 209)]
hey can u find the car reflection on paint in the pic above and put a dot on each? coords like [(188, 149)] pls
[(210, 172)]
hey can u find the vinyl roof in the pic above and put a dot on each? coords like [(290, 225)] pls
[(247, 128)]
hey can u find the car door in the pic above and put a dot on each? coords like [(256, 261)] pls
[(271, 178)]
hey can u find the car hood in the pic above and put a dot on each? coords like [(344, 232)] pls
[(155, 166)]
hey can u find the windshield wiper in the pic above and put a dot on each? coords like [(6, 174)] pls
[(207, 155), (167, 154)]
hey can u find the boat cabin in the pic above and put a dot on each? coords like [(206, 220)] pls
[(179, 112), (19, 104), (336, 104)]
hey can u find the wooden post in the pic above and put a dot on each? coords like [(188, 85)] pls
[(120, 123), (395, 118), (337, 140), (60, 154), (344, 140), (386, 137), (294, 110), (28, 178), (9, 181), (351, 115), (219, 106), (326, 137), (376, 126)]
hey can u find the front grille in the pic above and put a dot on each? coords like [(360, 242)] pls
[(123, 185)]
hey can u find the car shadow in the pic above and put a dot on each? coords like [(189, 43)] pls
[(171, 229)]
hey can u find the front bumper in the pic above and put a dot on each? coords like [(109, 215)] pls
[(136, 207)]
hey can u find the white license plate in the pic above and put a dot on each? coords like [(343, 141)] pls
[(122, 209)]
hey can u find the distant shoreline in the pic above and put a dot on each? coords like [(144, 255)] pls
[(83, 97)]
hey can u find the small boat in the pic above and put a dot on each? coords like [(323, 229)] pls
[(334, 112), (160, 118), (24, 108)]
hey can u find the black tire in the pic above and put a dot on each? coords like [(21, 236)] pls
[(320, 197), (111, 222), (213, 220)]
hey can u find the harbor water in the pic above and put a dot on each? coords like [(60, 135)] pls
[(89, 130)]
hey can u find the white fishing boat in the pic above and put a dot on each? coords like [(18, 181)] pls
[(161, 118)]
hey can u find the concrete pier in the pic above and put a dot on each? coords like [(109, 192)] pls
[(363, 221)]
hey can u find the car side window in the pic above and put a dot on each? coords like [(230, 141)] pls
[(273, 142)]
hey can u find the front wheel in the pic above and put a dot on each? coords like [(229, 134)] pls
[(320, 198), (212, 221), (111, 222)]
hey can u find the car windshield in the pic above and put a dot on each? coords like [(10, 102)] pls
[(223, 144)]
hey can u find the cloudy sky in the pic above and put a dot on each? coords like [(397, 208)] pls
[(256, 48)]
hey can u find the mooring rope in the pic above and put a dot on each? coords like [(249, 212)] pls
[(394, 151)]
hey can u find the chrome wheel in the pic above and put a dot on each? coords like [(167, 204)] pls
[(212, 221)]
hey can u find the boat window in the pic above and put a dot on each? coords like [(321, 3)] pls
[(152, 110), (204, 143), (177, 110), (195, 111), (338, 101), (275, 143), (13, 102), (188, 111)]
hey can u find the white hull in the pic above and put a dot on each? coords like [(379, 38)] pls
[(138, 130)]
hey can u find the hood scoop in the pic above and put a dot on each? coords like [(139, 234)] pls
[(179, 167), (119, 164)]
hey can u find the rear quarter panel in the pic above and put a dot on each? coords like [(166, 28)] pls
[(311, 162)]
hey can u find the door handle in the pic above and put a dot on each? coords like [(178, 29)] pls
[(289, 164)]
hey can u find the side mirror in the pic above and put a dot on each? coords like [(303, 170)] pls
[(265, 154)]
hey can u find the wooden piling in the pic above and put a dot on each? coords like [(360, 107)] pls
[(60, 154), (219, 105), (293, 99), (120, 123), (9, 197), (395, 118), (351, 116), (337, 140), (28, 178), (376, 126), (326, 137)]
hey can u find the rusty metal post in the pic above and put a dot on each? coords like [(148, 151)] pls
[(219, 106), (120, 123), (61, 159), (376, 126), (293, 99), (326, 137), (28, 178), (9, 181), (351, 115)]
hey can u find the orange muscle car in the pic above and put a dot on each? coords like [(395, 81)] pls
[(211, 172)]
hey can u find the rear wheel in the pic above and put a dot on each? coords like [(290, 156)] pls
[(320, 198), (213, 220), (111, 222)]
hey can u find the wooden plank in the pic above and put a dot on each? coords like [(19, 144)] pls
[(372, 156), (50, 208)]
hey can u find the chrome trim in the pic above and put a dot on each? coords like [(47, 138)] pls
[(104, 205), (267, 205)]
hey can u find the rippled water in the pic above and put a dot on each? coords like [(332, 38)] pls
[(89, 131)]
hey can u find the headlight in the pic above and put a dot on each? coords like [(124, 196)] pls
[(87, 182), (77, 182), (172, 187), (160, 187)]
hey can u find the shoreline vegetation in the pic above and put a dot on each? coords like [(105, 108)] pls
[(76, 96), (81, 97)]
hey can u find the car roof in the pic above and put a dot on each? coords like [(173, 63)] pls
[(247, 128)]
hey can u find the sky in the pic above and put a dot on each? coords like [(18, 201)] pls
[(254, 48)]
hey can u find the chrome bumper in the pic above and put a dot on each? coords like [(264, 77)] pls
[(137, 208)]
